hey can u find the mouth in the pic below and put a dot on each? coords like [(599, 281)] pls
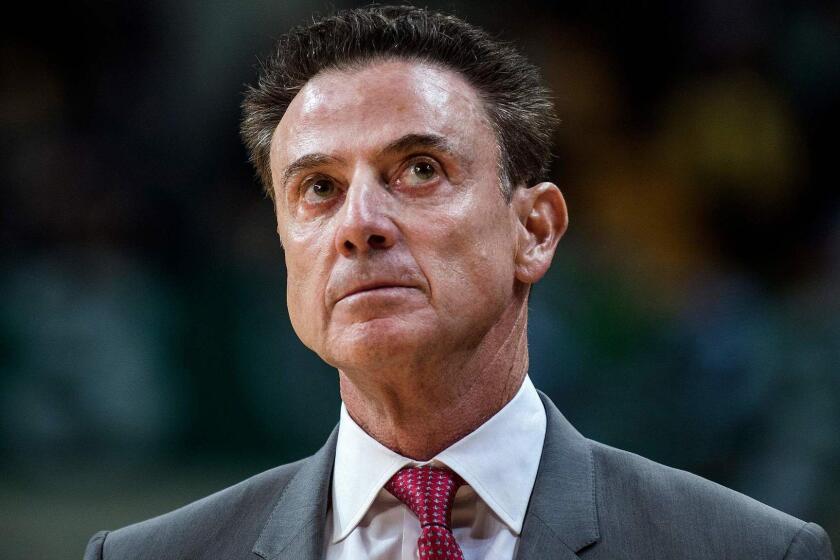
[(376, 288)]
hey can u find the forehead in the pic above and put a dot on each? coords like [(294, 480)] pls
[(361, 109)]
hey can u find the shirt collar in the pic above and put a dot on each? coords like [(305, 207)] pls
[(499, 460)]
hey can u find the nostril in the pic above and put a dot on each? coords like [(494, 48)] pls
[(376, 240), (349, 245)]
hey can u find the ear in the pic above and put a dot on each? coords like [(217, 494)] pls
[(543, 219)]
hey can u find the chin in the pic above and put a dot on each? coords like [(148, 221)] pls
[(375, 342)]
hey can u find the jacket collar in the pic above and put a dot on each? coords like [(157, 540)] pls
[(562, 517), (295, 528), (560, 521)]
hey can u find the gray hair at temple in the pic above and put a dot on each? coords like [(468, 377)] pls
[(517, 103)]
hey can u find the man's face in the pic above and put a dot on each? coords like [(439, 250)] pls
[(398, 242)]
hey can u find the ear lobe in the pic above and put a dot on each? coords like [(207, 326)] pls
[(543, 219)]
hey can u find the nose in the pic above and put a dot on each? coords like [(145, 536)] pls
[(365, 224)]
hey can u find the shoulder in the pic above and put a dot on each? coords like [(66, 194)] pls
[(223, 523), (660, 511), (622, 475)]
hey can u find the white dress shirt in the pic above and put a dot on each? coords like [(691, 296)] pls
[(498, 462)]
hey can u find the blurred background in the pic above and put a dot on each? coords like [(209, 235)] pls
[(146, 359)]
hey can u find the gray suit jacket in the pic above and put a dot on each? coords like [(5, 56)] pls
[(589, 501)]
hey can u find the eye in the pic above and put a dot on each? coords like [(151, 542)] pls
[(418, 172), (319, 189)]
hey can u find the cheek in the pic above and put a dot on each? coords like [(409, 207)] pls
[(473, 262), (294, 298), (487, 272), (304, 293)]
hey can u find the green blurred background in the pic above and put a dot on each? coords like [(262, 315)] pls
[(146, 359)]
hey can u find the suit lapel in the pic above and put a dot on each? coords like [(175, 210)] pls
[(295, 529), (562, 516)]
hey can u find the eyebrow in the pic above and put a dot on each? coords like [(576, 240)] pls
[(415, 141), (306, 162), (402, 144)]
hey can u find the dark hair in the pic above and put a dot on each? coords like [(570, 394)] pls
[(517, 104)]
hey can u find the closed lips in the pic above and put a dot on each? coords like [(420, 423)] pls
[(372, 286)]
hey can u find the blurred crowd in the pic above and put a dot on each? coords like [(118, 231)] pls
[(692, 314)]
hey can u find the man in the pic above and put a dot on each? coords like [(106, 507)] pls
[(404, 152)]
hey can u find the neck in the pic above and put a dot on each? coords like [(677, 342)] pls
[(427, 406)]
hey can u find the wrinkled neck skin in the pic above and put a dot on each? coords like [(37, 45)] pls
[(420, 408)]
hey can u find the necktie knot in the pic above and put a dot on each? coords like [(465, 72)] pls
[(427, 491)]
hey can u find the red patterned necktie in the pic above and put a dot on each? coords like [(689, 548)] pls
[(429, 492)]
